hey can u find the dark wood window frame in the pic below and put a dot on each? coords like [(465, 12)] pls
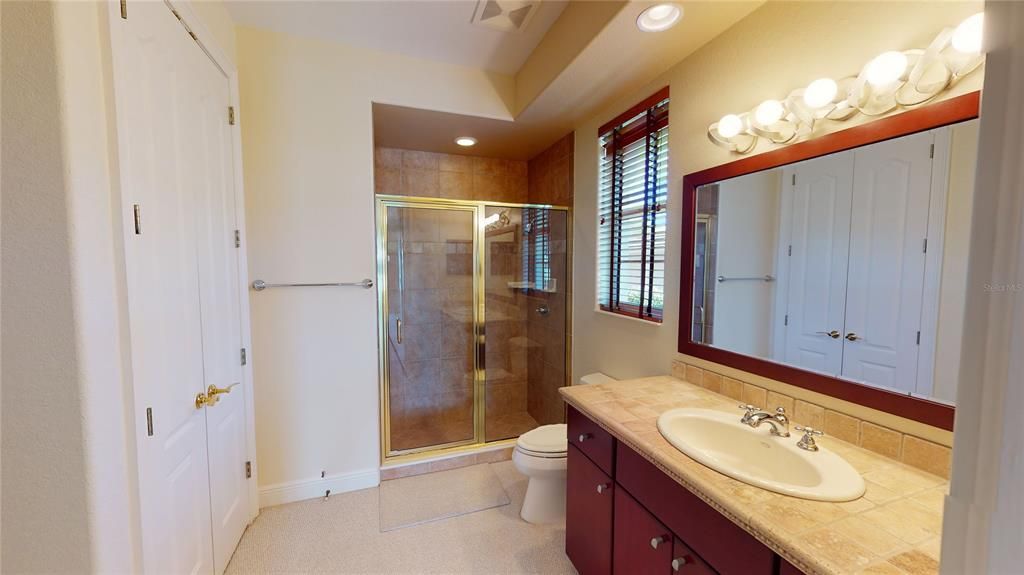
[(619, 139), (940, 114)]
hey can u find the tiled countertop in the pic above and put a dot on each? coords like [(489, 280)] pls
[(894, 528)]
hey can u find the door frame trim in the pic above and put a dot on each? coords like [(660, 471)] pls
[(951, 111)]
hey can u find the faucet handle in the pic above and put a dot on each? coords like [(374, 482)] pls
[(748, 407), (807, 441)]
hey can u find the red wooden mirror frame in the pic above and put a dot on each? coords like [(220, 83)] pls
[(943, 113)]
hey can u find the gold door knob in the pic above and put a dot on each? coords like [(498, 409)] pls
[(212, 395), (852, 336)]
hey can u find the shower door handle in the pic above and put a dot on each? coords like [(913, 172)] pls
[(398, 329)]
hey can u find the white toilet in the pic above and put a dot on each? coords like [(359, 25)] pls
[(540, 454)]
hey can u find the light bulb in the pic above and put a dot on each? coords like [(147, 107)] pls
[(465, 141), (967, 36), (729, 126), (659, 17), (886, 68), (769, 112), (820, 93)]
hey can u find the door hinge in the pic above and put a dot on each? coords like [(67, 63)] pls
[(124, 9), (924, 245), (931, 151), (248, 470), (138, 219), (231, 115), (149, 421), (238, 239), (918, 338), (789, 250), (785, 319), (244, 359), (794, 179)]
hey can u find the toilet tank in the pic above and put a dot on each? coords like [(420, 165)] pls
[(597, 377)]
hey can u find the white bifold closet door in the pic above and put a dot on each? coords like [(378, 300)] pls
[(892, 185), (178, 197), (819, 233)]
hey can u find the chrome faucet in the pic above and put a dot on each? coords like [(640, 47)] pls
[(754, 417)]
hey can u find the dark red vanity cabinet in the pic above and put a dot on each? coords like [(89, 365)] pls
[(641, 543), (589, 498), (625, 516)]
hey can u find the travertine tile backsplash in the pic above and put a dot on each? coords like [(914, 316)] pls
[(909, 449)]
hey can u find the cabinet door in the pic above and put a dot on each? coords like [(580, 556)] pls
[(642, 544), (685, 561), (588, 515)]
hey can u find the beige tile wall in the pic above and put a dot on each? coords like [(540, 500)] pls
[(432, 175), (909, 449)]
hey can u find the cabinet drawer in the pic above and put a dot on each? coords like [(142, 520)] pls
[(588, 515), (642, 543), (718, 541), (589, 438)]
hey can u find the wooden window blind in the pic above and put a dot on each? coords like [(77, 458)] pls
[(633, 194)]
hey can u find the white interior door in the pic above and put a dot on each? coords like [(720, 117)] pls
[(218, 281), (819, 228), (155, 99), (892, 184)]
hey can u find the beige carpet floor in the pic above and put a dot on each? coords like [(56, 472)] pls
[(342, 535)]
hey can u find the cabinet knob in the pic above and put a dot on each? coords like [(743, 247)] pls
[(585, 436), (603, 487), (678, 563), (658, 541)]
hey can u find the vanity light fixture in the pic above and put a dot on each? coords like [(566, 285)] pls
[(820, 93), (889, 81), (465, 141), (886, 68), (967, 36), (659, 17)]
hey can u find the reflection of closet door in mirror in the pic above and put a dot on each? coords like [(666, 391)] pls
[(819, 196), (891, 189)]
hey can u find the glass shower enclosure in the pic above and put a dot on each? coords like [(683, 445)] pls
[(473, 322)]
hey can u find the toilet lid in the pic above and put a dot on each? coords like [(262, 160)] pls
[(545, 439)]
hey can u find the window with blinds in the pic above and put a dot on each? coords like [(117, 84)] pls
[(537, 248), (633, 194)]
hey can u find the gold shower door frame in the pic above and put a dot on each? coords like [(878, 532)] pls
[(477, 208)]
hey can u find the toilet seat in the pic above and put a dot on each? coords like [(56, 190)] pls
[(547, 441)]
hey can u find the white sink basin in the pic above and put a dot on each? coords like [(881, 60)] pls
[(754, 456)]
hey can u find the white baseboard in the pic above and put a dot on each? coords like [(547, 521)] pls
[(292, 491)]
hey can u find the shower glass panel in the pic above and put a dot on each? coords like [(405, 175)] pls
[(525, 319), (473, 318), (430, 295)]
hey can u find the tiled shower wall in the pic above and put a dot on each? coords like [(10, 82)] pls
[(551, 182), (430, 175)]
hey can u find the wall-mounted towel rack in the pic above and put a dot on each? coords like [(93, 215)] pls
[(764, 278), (260, 285)]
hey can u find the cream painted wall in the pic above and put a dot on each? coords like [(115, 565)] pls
[(956, 246), (777, 48), (215, 17), (308, 159)]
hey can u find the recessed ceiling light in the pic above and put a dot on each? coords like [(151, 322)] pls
[(659, 17), (465, 141)]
